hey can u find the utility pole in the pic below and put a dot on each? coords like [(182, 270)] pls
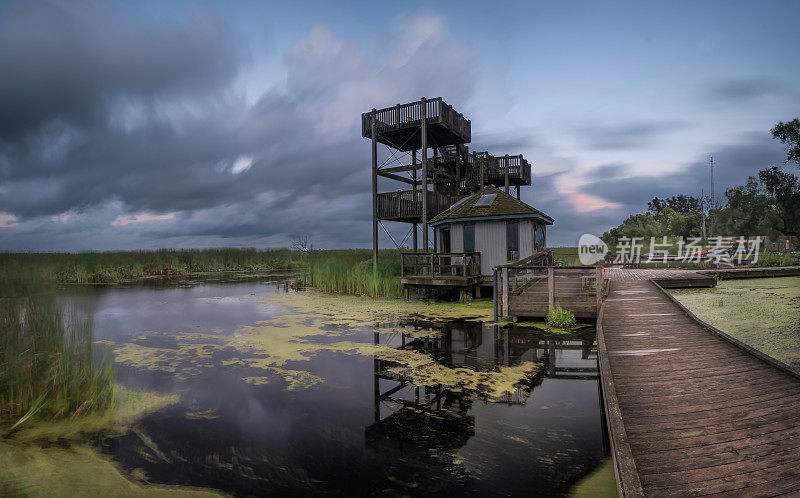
[(703, 212), (711, 219)]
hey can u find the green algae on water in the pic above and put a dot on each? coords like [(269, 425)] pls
[(600, 483), (315, 322), (763, 313)]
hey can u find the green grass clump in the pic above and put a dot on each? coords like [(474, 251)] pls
[(775, 259), (47, 366), (350, 272), (561, 318)]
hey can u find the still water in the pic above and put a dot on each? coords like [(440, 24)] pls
[(324, 420)]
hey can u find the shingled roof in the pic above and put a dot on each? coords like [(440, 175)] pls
[(504, 206)]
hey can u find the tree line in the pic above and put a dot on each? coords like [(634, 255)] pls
[(768, 204)]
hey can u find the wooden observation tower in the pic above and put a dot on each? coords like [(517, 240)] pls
[(442, 170)]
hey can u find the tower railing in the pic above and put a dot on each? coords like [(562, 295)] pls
[(407, 204), (408, 115)]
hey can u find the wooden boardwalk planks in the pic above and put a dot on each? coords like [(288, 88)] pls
[(700, 415)]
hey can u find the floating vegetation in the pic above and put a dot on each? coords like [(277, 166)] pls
[(763, 312), (598, 484), (314, 323), (63, 463)]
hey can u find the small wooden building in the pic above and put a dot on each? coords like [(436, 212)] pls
[(479, 232), (500, 227)]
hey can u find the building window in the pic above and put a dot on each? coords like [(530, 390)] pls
[(512, 241), (538, 238), (469, 237)]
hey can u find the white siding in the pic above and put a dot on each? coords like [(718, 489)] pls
[(456, 237), (525, 238), (490, 241)]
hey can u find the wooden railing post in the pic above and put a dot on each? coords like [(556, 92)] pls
[(402, 263), (505, 291), (599, 287), (551, 288), (494, 293)]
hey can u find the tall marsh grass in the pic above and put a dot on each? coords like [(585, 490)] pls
[(48, 368), (350, 272), (116, 266)]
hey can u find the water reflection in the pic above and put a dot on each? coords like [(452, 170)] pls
[(369, 427), (433, 422)]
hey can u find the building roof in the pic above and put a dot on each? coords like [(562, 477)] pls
[(502, 206)]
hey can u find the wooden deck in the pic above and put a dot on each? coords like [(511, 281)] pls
[(690, 411)]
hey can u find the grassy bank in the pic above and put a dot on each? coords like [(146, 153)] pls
[(47, 365), (341, 271), (112, 267), (761, 312), (568, 256)]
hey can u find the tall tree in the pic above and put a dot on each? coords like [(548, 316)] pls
[(789, 134), (784, 194)]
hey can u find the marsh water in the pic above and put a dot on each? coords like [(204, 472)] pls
[(292, 393)]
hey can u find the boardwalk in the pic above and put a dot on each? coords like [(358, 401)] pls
[(691, 413)]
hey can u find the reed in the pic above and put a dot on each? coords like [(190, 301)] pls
[(48, 368), (116, 266), (350, 272)]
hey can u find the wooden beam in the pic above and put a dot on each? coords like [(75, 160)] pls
[(397, 178), (401, 169), (551, 288)]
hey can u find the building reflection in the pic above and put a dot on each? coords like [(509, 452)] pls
[(434, 421)]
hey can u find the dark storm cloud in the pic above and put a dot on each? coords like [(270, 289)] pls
[(105, 119), (627, 136), (68, 61)]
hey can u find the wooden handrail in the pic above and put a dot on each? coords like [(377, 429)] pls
[(441, 264), (410, 114)]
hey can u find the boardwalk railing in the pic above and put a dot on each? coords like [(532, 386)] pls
[(407, 204), (408, 115), (450, 264), (534, 289)]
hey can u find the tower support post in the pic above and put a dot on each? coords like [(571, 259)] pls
[(374, 193), (506, 172), (414, 176), (424, 147)]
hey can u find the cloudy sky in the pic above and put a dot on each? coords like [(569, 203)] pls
[(194, 124)]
